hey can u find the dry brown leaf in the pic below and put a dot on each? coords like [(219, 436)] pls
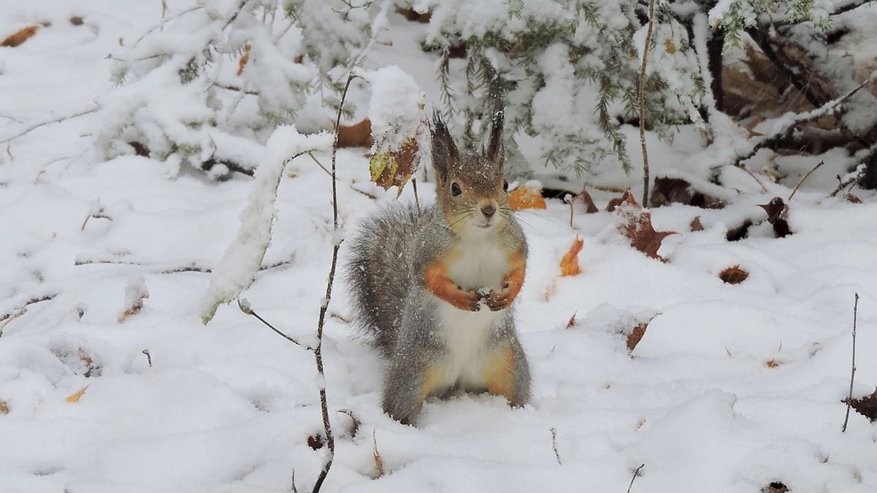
[(75, 396), (245, 58), (526, 198), (669, 46), (678, 191), (569, 264), (866, 406), (777, 215), (772, 363), (4, 407), (626, 198), (636, 335), (316, 441), (379, 461), (76, 20), (395, 168), (852, 198), (636, 224), (733, 275), (776, 487), (572, 321), (590, 207), (356, 135), (695, 225), (134, 306), (19, 37)]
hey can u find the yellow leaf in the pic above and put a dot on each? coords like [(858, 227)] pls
[(569, 264), (74, 397), (4, 407), (669, 46)]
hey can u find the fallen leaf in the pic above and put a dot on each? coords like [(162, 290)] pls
[(776, 487), (569, 264), (626, 198), (636, 224), (772, 363), (866, 406), (852, 198), (19, 37), (669, 46), (356, 135), (636, 335), (4, 407), (135, 294), (777, 214), (590, 207), (733, 275), (316, 441), (379, 461), (74, 397), (245, 58), (739, 232), (76, 20), (526, 198), (394, 168), (695, 224), (572, 321)]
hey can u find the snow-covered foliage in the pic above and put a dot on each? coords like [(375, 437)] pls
[(237, 268), (734, 16), (206, 84), (569, 69)]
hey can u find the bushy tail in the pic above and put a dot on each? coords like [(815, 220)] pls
[(379, 272)]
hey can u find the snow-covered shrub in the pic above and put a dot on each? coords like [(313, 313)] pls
[(569, 69), (208, 83)]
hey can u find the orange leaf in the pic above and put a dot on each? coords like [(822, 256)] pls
[(74, 397), (569, 264), (572, 321), (526, 198), (19, 37), (636, 335), (4, 407), (356, 135), (245, 58), (772, 363)]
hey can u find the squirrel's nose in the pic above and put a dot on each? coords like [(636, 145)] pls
[(488, 210)]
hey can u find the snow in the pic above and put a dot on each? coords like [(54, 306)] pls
[(229, 407)]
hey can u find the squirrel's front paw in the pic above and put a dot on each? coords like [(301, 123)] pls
[(468, 300), (498, 300)]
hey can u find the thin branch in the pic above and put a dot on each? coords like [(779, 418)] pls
[(245, 307), (416, 197), (311, 154), (21, 310), (43, 123), (318, 351), (642, 103), (636, 473), (554, 445), (164, 20), (853, 369), (851, 181), (148, 357), (750, 173), (804, 178), (169, 268)]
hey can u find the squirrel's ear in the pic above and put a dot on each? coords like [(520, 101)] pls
[(444, 151), (495, 151)]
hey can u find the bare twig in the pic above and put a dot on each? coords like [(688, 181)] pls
[(363, 192), (568, 198), (636, 474), (43, 123), (750, 173), (804, 178), (21, 310), (164, 21), (554, 445), (292, 482), (148, 357), (318, 351), (642, 103), (853, 369), (850, 182), (356, 423), (169, 268), (416, 197), (311, 154), (245, 307)]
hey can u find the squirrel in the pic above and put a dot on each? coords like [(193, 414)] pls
[(436, 286)]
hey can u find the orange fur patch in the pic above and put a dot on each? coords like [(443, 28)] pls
[(515, 277), (498, 374), (435, 280), (431, 380)]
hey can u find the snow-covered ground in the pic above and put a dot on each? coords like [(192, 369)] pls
[(731, 388)]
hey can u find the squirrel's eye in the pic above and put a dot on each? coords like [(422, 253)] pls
[(455, 189), (505, 185)]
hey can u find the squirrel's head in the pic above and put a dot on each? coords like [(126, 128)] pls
[(471, 189)]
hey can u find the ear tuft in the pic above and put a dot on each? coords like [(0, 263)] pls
[(444, 151), (495, 149)]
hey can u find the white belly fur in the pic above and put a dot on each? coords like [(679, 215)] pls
[(466, 334)]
